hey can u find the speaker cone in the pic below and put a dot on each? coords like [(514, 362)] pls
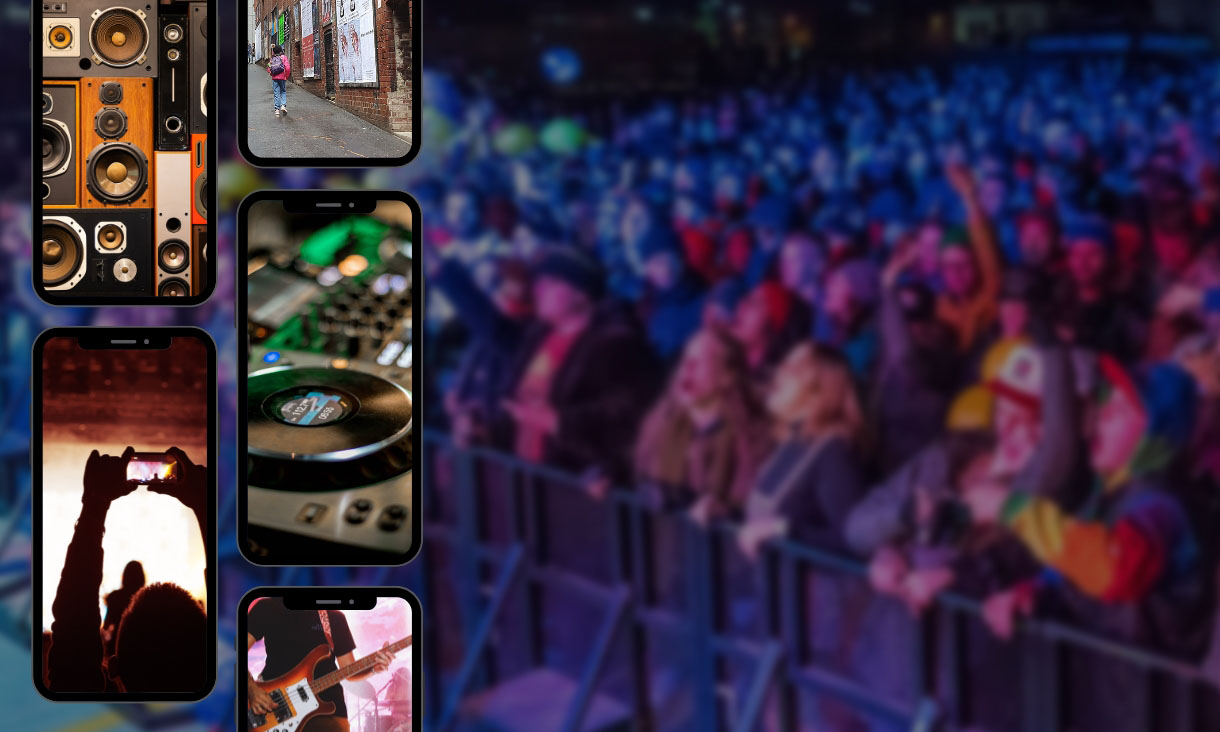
[(119, 36), (173, 256), (56, 147), (62, 251), (110, 122), (48, 103), (60, 37), (172, 33), (111, 92), (201, 195), (110, 237), (172, 287), (116, 172)]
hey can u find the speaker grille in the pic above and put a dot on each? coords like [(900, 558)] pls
[(62, 251), (116, 172), (119, 36)]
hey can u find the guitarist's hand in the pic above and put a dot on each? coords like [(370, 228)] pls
[(260, 701), (382, 659)]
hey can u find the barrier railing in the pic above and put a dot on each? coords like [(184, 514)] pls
[(759, 645)]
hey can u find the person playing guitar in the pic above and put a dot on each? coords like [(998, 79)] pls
[(289, 636)]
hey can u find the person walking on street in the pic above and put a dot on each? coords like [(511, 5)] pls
[(249, 53), (278, 67)]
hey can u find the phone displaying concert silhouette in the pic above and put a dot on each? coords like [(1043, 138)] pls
[(324, 659), (124, 486)]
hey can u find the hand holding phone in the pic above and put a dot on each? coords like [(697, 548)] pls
[(106, 478), (190, 487)]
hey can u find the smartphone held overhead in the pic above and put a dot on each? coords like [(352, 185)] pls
[(124, 514)]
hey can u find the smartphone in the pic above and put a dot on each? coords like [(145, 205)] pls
[(329, 83), (123, 465), (123, 195), (340, 653), (331, 291), (151, 467)]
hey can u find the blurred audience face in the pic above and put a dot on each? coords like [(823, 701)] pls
[(750, 319), (556, 300), (813, 392), (1087, 262), (462, 213), (703, 372), (928, 241), (663, 270), (1014, 318), (1174, 250), (1036, 241), (1017, 431), (635, 222), (839, 302), (958, 271), (801, 265), (1117, 428)]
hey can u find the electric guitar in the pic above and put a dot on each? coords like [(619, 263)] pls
[(295, 693)]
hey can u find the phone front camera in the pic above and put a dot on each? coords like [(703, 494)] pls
[(146, 341)]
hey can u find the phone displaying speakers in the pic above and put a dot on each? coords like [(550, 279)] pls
[(331, 290), (329, 658), (122, 198), (123, 462)]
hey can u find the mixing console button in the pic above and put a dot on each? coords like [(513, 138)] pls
[(392, 517), (358, 511)]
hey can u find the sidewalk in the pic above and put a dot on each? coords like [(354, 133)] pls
[(313, 127)]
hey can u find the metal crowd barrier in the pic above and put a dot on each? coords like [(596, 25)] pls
[(752, 650)]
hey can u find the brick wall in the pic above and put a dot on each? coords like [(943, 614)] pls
[(388, 104)]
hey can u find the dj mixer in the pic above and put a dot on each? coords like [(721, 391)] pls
[(329, 399)]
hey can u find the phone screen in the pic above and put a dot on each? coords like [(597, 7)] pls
[(339, 654), (123, 194), (331, 296), (152, 470), (124, 513)]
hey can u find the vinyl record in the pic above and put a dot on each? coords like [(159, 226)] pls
[(323, 414)]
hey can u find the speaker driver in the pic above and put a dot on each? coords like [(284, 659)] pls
[(201, 194), (60, 37), (124, 270), (110, 92), (48, 103), (62, 251), (119, 36), (173, 256), (172, 287), (111, 237), (56, 147), (110, 122), (172, 33), (117, 172)]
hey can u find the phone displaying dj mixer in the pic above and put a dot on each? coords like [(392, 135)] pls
[(331, 293)]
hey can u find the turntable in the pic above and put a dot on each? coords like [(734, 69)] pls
[(329, 403)]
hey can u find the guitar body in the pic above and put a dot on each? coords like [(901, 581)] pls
[(296, 701)]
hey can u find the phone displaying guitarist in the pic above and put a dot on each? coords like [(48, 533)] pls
[(311, 667)]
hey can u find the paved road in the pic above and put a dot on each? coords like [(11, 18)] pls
[(313, 127)]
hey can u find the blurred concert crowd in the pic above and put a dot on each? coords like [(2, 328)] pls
[(963, 325)]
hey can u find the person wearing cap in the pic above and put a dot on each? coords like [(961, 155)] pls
[(583, 374)]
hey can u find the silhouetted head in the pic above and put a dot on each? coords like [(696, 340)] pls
[(161, 642), (133, 575)]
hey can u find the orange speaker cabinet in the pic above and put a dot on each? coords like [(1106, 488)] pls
[(132, 147)]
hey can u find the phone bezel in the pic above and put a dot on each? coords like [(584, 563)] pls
[(365, 598), (60, 299), (100, 338), (243, 90), (305, 201)]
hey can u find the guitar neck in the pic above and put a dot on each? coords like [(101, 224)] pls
[(360, 666)]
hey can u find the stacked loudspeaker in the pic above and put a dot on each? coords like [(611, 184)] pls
[(124, 131)]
